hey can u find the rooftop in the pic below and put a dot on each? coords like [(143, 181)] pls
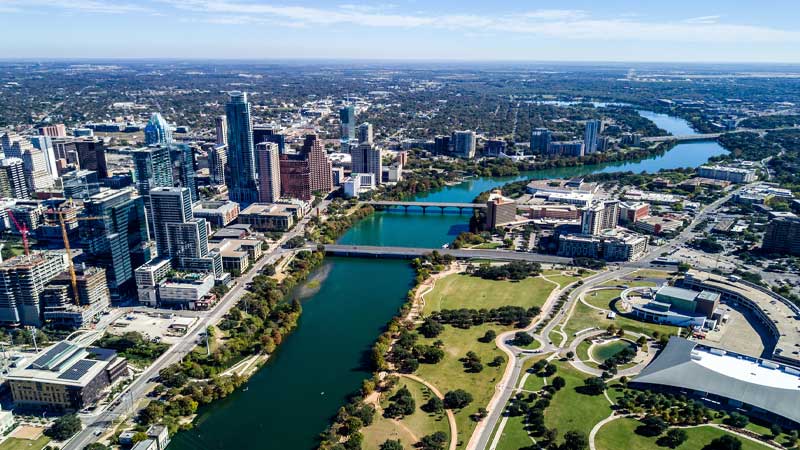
[(64, 363)]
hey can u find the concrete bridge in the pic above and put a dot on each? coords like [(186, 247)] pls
[(687, 138), (425, 205), (365, 251)]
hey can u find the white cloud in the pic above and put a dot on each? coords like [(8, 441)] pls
[(88, 6), (703, 20)]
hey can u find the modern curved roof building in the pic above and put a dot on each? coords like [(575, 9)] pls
[(157, 131), (754, 386)]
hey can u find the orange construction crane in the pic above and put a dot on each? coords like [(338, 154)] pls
[(73, 278), (23, 230)]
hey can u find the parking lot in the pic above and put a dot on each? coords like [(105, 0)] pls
[(152, 325)]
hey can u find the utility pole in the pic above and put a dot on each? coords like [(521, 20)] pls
[(33, 335), (208, 348)]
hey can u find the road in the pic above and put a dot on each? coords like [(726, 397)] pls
[(141, 385)]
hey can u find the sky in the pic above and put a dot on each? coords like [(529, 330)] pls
[(491, 30)]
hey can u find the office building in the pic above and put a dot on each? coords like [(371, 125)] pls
[(366, 158), (153, 168), (600, 216), (91, 155), (221, 126), (157, 131), (495, 147), (441, 145), (184, 167), (14, 145), (500, 211), (591, 135), (243, 187), (540, 141), (57, 130), (632, 212), (268, 133), (12, 179), (22, 282), (347, 117), (217, 164), (118, 240), (269, 217), (464, 143), (608, 246), (365, 135), (45, 145), (782, 235), (727, 173), (80, 184), (148, 278), (36, 170), (357, 184), (217, 213), (185, 292), (62, 310), (65, 377), (269, 172)]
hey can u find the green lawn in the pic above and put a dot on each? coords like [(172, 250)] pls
[(651, 273), (582, 352), (602, 298), (555, 338), (414, 426), (629, 283), (604, 351), (449, 374), (571, 410), (24, 444), (465, 291), (563, 280), (584, 317), (621, 434), (488, 246), (514, 435)]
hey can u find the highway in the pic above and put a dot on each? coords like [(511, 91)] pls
[(99, 423)]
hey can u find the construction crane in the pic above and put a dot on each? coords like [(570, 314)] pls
[(23, 230), (73, 278)]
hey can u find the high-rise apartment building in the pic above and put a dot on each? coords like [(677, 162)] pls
[(441, 145), (221, 125), (118, 240), (12, 178), (590, 136), (62, 309), (347, 117), (495, 147), (45, 145), (184, 168), (540, 140), (365, 134), (22, 282), (267, 133), (14, 145), (243, 187), (782, 235), (269, 172), (152, 167), (319, 164), (36, 170), (464, 143), (366, 158), (295, 176), (217, 163), (92, 156), (599, 216), (157, 131)]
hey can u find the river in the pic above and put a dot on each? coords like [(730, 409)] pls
[(290, 401)]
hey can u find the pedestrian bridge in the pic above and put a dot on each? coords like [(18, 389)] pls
[(366, 251), (425, 205)]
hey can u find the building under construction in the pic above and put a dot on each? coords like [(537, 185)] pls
[(63, 310), (22, 282)]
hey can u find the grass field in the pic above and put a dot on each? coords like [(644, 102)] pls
[(571, 410), (449, 374), (411, 428), (629, 283), (602, 298), (464, 291), (604, 351), (24, 444), (514, 435), (621, 434), (584, 317), (651, 273)]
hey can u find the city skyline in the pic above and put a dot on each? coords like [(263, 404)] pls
[(625, 31)]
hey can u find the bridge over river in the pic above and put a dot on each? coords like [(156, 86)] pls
[(425, 205), (366, 251)]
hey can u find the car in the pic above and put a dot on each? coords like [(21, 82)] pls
[(97, 432)]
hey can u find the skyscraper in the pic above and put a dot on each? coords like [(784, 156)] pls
[(590, 136), (269, 172), (184, 168), (367, 159), (14, 145), (221, 124), (153, 168), (157, 131), (365, 133), (243, 187), (269, 134), (319, 165), (36, 173), (57, 130), (347, 116), (217, 162), (540, 140), (12, 178), (464, 144), (120, 241), (92, 156), (600, 216), (22, 282)]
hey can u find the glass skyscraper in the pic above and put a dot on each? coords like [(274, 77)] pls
[(243, 184), (157, 131)]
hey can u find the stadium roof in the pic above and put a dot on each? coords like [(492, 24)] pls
[(761, 383)]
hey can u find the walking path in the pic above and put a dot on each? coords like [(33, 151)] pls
[(451, 418)]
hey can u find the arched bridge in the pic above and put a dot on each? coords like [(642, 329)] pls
[(425, 205)]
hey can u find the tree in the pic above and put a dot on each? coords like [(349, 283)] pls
[(431, 328), (737, 420), (435, 441), (497, 361), (570, 354), (559, 383), (775, 429), (434, 405), (726, 442), (457, 399), (402, 404), (652, 426), (594, 386), (64, 427), (574, 440), (489, 336), (391, 445), (522, 339), (674, 437), (95, 446)]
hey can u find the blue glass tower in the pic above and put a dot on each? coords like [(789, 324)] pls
[(157, 131), (243, 184)]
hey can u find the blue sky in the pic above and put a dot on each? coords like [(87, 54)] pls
[(543, 30)]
